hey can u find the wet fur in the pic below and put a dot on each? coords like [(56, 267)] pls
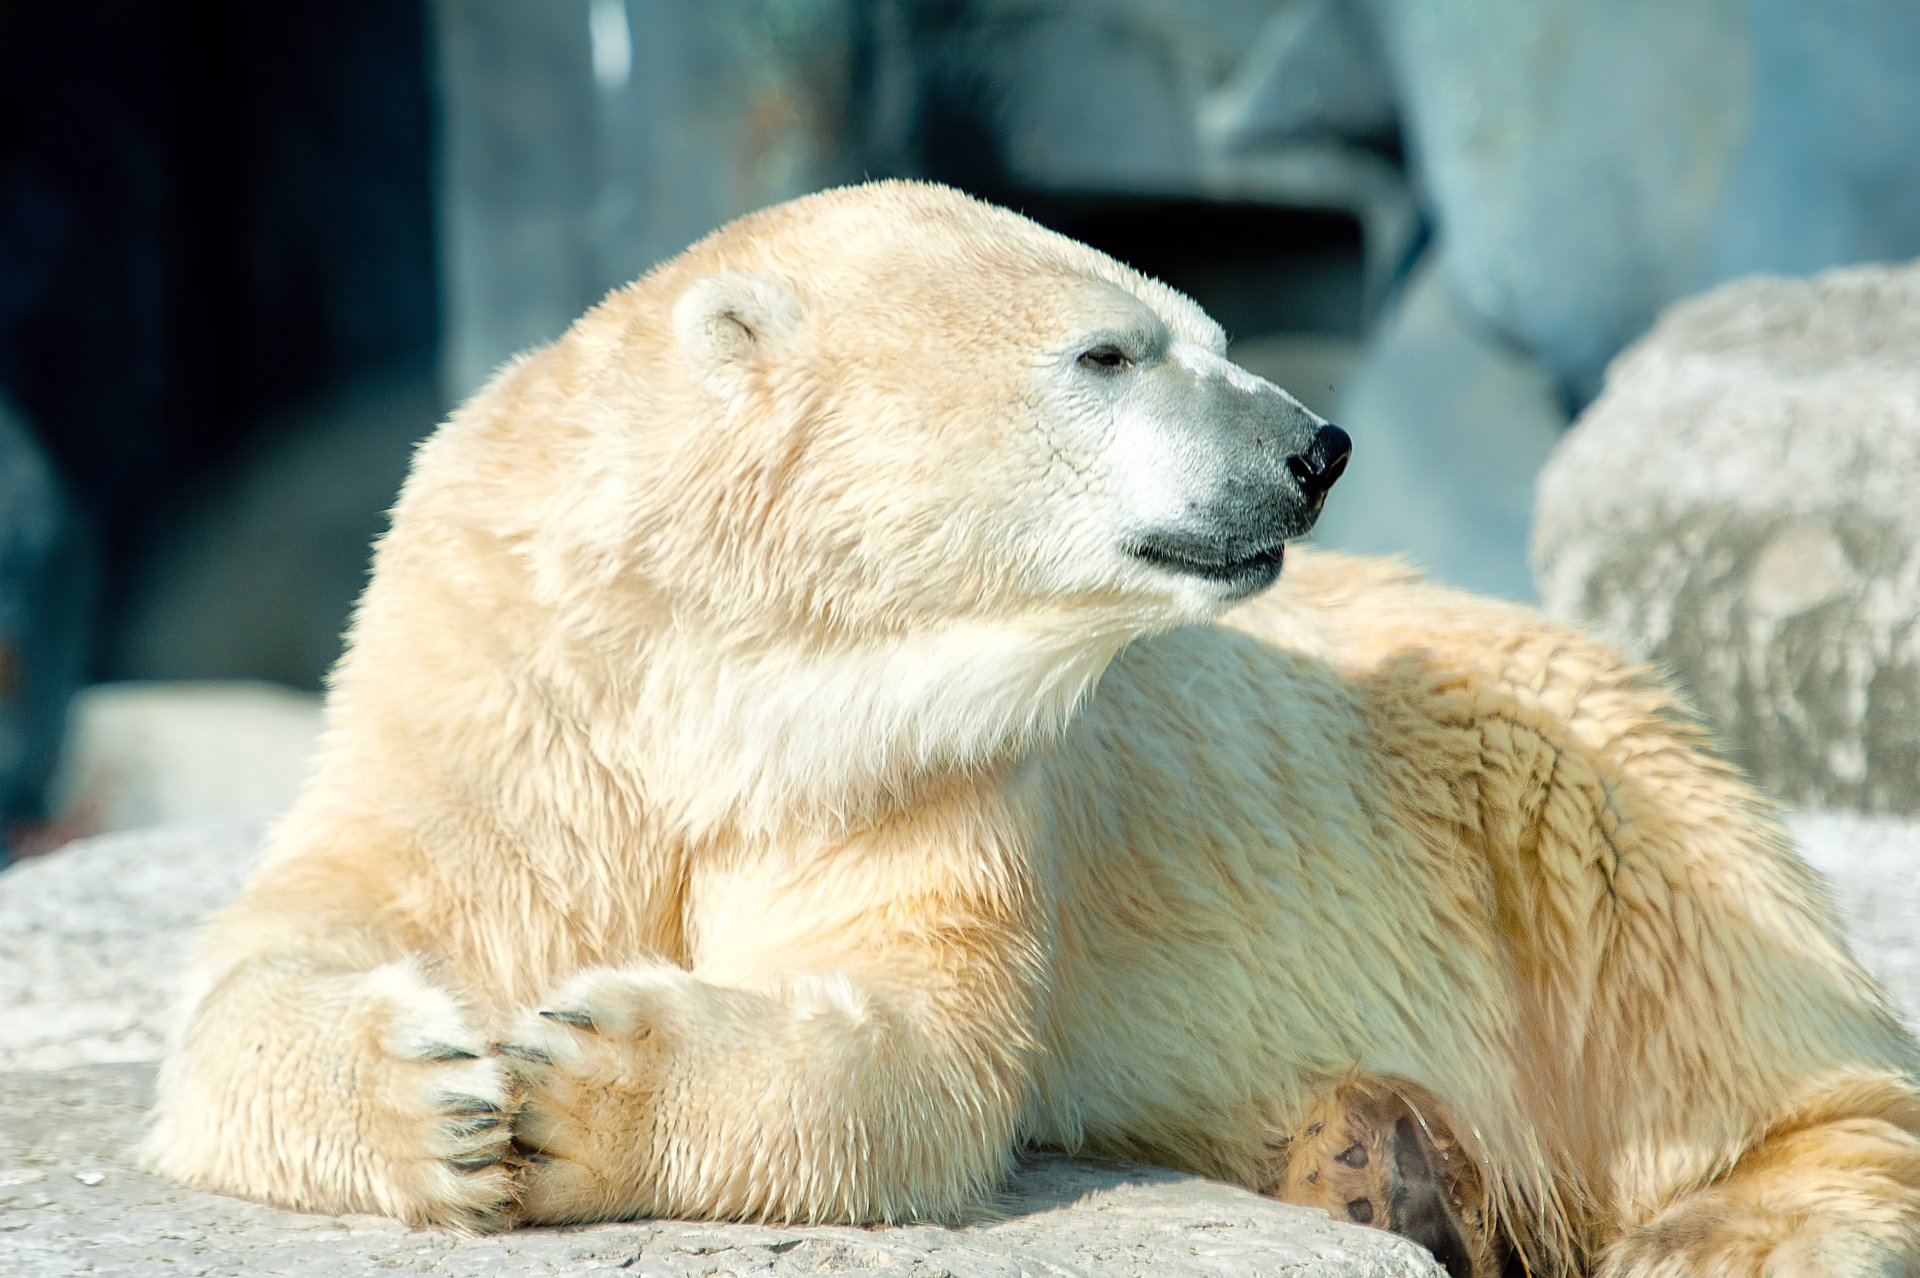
[(848, 849)]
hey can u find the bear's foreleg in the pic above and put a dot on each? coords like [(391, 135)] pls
[(306, 1081), (648, 1091)]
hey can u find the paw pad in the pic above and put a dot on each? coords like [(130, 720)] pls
[(1369, 1157)]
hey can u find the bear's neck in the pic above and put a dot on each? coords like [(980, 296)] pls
[(763, 742)]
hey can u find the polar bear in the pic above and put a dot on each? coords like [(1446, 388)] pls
[(823, 724)]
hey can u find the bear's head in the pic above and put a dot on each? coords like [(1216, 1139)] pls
[(926, 410), (889, 474)]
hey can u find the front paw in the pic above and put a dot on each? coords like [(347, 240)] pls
[(337, 1091), (435, 1121), (588, 1065)]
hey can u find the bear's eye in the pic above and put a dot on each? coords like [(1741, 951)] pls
[(1105, 359)]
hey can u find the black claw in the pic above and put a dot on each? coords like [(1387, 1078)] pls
[(467, 1105), (447, 1052), (521, 1052), (579, 1020), (528, 1153), (475, 1126), (475, 1164)]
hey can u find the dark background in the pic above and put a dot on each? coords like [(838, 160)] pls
[(250, 253)]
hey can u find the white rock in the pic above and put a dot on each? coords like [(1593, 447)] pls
[(93, 937), (141, 755), (1450, 428), (1742, 504)]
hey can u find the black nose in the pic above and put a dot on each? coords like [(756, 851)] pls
[(1324, 461)]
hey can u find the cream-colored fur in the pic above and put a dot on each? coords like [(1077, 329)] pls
[(757, 786)]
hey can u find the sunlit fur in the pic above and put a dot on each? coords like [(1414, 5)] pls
[(755, 677)]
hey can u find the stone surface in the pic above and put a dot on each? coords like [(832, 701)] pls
[(141, 755), (255, 575), (587, 139), (1873, 866), (1741, 505), (73, 1203), (91, 939), (1591, 163)]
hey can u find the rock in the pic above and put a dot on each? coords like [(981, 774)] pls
[(1450, 427), (1740, 505), (1281, 103), (253, 576), (195, 752), (1871, 864), (1307, 115), (585, 140), (91, 939), (71, 1203), (1316, 68), (1591, 163)]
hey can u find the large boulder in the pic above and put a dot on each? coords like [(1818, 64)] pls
[(1742, 505), (1590, 163)]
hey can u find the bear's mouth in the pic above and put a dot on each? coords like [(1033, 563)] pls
[(1215, 563)]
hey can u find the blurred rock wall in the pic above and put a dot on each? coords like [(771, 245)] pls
[(584, 140), (1742, 506), (228, 235), (44, 588), (1590, 161)]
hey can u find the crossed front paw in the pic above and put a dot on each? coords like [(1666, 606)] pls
[(435, 1109), (588, 1074)]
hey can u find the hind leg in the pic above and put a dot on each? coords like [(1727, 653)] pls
[(1378, 1153), (1833, 1193)]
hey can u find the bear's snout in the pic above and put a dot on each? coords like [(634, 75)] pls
[(1321, 463)]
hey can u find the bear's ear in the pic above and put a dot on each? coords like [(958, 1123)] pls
[(729, 323)]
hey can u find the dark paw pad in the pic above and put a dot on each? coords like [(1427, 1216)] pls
[(1368, 1156)]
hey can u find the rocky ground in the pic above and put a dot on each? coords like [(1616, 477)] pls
[(90, 940), (71, 1204)]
